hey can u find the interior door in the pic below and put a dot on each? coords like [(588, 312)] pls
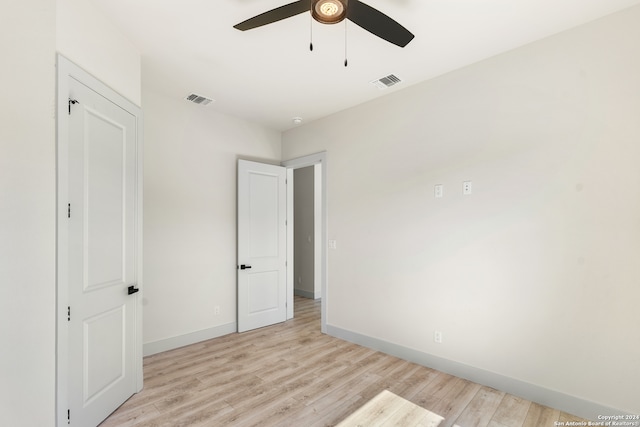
[(102, 276), (262, 255)]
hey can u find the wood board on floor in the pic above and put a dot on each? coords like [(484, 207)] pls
[(390, 410)]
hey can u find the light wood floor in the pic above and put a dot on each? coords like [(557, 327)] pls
[(292, 375)]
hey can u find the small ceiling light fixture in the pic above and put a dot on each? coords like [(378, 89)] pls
[(329, 11), (297, 121)]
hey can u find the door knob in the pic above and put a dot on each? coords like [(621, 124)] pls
[(244, 267), (132, 290)]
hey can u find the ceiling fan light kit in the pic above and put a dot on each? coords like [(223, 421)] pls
[(329, 11), (332, 12)]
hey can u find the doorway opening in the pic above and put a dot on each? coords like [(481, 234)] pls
[(305, 233), (307, 246)]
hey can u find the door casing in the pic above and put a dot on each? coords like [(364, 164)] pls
[(66, 70)]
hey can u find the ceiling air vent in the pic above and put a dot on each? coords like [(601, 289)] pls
[(198, 99), (386, 82)]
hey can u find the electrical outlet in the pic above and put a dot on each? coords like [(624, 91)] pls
[(437, 337), (466, 188), (333, 244), (216, 310)]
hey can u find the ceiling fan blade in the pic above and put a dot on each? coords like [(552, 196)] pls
[(274, 15), (378, 23)]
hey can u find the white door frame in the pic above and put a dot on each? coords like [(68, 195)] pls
[(318, 160), (66, 70)]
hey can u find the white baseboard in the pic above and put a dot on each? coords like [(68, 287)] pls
[(194, 337), (551, 398)]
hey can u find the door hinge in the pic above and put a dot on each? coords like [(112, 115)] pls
[(69, 210), (68, 313), (71, 101), (68, 416)]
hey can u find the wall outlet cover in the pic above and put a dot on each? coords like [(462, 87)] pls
[(467, 188)]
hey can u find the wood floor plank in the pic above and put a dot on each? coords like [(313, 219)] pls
[(511, 412), (481, 409), (415, 416), (455, 401), (375, 412), (277, 415), (404, 380), (291, 374), (387, 409), (133, 416), (435, 390), (539, 415), (340, 410), (565, 418)]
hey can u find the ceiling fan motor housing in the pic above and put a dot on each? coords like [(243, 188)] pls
[(329, 11), (332, 12)]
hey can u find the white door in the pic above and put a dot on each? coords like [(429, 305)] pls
[(102, 276), (262, 254)]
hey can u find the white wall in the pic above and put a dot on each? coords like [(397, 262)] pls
[(32, 31), (191, 155), (304, 232), (87, 38), (535, 275), (27, 213)]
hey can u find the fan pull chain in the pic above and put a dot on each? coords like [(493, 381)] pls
[(345, 43), (311, 31)]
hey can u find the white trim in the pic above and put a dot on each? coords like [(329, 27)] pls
[(319, 159), (535, 393), (317, 230), (172, 343), (290, 245), (66, 70)]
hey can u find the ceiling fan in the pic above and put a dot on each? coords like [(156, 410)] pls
[(332, 12)]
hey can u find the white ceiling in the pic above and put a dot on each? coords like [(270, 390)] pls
[(268, 75)]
